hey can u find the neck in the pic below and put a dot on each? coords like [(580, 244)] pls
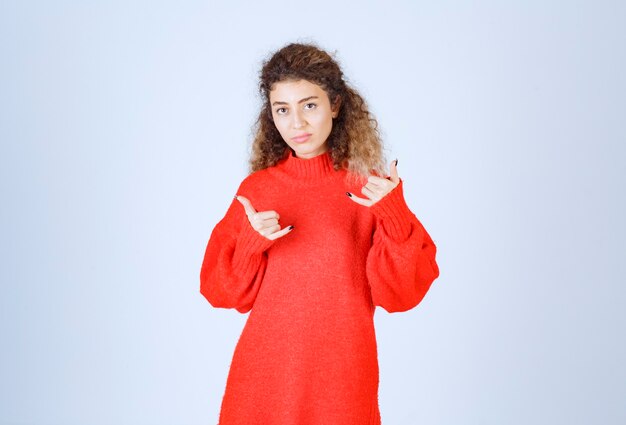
[(315, 167)]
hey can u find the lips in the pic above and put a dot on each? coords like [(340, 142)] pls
[(301, 138)]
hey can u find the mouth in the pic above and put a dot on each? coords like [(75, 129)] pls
[(301, 138)]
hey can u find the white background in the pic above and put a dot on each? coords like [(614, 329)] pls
[(125, 130)]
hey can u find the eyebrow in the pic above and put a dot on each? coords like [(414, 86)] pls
[(300, 101)]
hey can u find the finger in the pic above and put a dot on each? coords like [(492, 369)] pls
[(259, 224), (358, 200), (379, 181), (280, 233), (269, 222), (379, 190), (267, 231), (373, 196), (394, 171), (264, 215), (247, 205)]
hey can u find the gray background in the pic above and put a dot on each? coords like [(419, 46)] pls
[(125, 130)]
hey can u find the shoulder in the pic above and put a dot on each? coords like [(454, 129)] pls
[(255, 181)]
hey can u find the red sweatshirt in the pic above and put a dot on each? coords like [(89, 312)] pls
[(307, 354)]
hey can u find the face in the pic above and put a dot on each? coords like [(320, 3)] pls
[(302, 108)]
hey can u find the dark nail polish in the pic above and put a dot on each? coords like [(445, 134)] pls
[(396, 162), (349, 194), (291, 227)]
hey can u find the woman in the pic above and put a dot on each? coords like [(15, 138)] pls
[(308, 257)]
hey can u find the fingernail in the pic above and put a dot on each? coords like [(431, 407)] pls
[(291, 227), (396, 161), (349, 194)]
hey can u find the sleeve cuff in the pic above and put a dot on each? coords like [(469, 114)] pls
[(250, 242), (394, 213)]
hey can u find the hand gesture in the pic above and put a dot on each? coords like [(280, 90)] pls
[(377, 187), (264, 222)]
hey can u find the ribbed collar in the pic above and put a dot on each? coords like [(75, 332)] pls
[(316, 167)]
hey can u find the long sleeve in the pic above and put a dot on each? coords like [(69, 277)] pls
[(401, 264), (234, 261)]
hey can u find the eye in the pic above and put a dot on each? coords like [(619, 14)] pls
[(278, 110), (314, 105)]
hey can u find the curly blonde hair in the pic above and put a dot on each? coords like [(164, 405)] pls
[(354, 142)]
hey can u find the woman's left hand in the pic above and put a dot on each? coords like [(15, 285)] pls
[(377, 187)]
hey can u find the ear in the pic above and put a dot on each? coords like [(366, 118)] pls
[(336, 106)]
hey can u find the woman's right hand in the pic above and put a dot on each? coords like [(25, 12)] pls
[(264, 222)]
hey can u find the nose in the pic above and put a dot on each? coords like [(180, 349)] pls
[(298, 120)]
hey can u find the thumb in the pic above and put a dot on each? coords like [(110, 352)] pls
[(247, 205), (394, 171)]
